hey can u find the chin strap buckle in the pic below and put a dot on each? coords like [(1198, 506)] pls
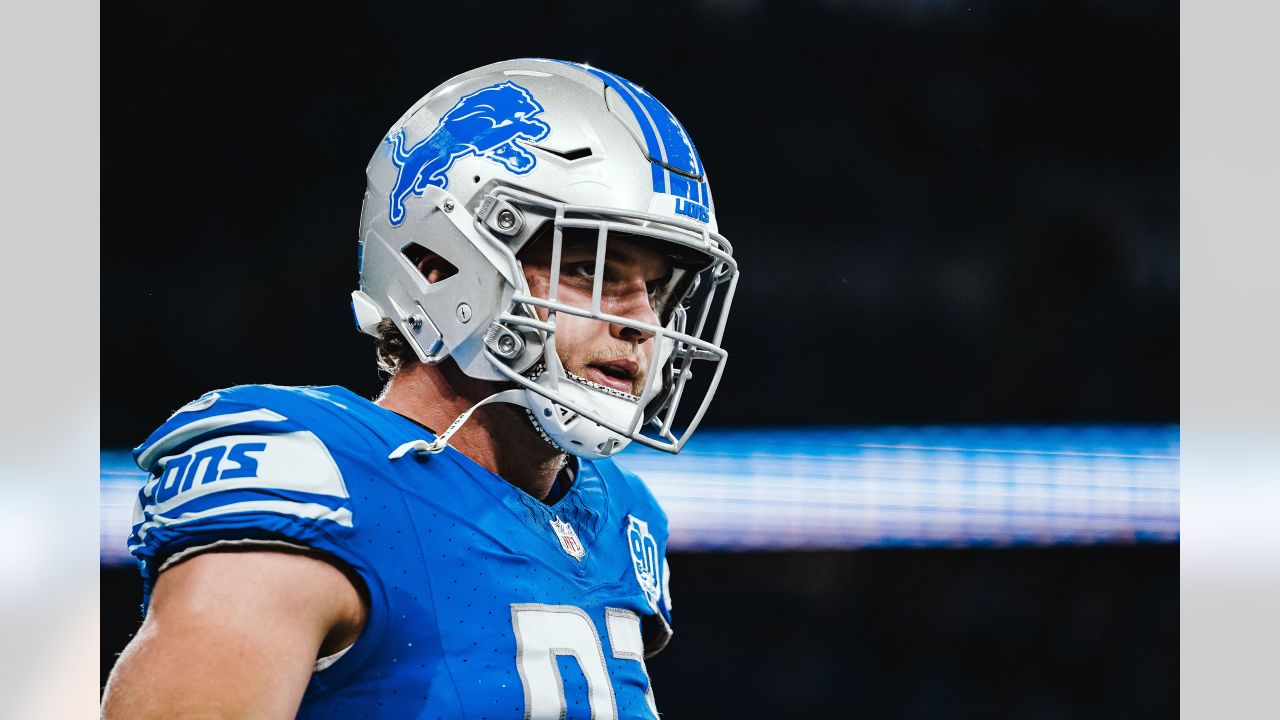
[(414, 446)]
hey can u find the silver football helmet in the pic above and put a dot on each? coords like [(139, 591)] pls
[(543, 150)]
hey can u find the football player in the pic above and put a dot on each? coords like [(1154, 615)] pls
[(539, 259)]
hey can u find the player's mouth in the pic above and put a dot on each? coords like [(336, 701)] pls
[(617, 375)]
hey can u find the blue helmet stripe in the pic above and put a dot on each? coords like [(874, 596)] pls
[(665, 139), (654, 149), (678, 148), (682, 186), (635, 99)]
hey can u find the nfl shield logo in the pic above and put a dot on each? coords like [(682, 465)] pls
[(568, 539), (644, 558)]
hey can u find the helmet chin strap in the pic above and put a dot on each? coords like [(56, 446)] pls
[(587, 435), (514, 396)]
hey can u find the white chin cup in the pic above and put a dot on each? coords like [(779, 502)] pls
[(572, 432)]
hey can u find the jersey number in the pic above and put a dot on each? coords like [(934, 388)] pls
[(547, 632)]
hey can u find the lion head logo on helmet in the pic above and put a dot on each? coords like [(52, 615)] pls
[(489, 123)]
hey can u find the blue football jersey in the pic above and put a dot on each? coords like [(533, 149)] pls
[(484, 601)]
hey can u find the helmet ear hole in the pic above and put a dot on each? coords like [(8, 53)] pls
[(433, 266)]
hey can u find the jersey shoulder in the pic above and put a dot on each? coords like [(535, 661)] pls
[(632, 496), (252, 409), (647, 532), (251, 463)]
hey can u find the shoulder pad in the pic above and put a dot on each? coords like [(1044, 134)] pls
[(234, 458), (244, 409), (633, 494)]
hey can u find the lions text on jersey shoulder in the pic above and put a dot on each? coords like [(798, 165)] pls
[(484, 601)]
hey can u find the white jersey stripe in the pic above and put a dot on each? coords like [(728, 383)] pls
[(295, 461), (203, 425), (307, 511)]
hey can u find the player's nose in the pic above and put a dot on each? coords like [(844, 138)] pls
[(633, 303)]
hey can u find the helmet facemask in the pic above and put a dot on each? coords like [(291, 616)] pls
[(691, 302)]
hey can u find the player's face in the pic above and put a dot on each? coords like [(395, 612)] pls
[(611, 354)]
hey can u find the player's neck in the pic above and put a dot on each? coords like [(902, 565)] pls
[(498, 437)]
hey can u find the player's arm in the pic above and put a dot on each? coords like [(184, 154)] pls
[(234, 635)]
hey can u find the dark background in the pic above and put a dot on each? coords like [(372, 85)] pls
[(944, 212)]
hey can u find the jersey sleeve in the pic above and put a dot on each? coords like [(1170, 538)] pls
[(244, 465)]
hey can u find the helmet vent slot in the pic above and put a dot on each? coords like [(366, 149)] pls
[(678, 171), (569, 155)]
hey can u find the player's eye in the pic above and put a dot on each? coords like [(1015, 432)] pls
[(582, 270), (659, 284)]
